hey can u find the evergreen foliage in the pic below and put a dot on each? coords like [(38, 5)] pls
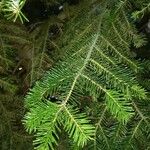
[(20, 54), (11, 100), (12, 9), (97, 61), (100, 102)]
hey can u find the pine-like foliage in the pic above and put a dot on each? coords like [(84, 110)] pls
[(97, 63), (12, 9), (22, 61), (12, 135)]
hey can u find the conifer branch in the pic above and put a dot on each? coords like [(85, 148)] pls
[(97, 62)]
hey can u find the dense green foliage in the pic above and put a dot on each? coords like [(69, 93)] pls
[(101, 89)]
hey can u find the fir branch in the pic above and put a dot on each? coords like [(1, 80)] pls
[(98, 126), (97, 61), (78, 126)]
